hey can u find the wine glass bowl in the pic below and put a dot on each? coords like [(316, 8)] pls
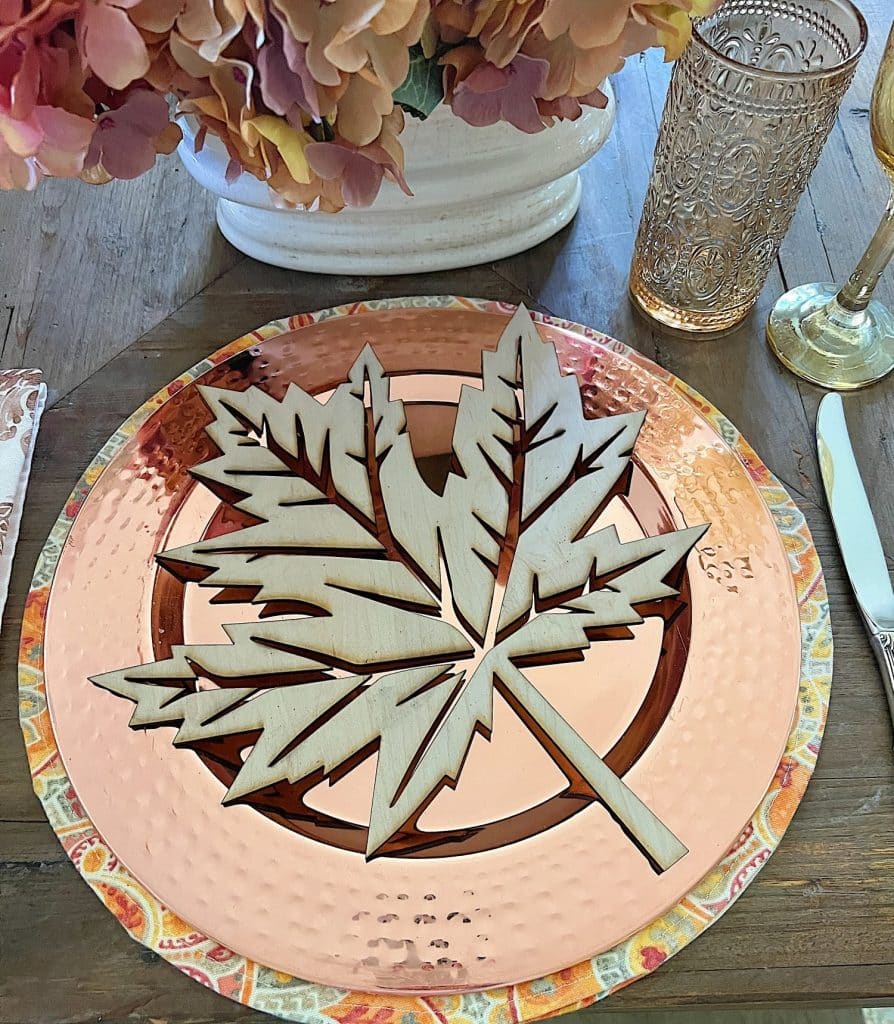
[(843, 338), (881, 114)]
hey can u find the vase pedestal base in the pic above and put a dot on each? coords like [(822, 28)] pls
[(409, 241), (480, 194)]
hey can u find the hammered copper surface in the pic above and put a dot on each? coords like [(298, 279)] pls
[(702, 761)]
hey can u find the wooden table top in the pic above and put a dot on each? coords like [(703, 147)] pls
[(115, 291)]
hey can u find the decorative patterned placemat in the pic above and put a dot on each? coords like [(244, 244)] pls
[(257, 986)]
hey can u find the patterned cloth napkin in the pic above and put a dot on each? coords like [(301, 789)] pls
[(22, 398)]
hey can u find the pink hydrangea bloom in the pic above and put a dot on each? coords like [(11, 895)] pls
[(285, 81), (306, 95), (359, 168), (110, 42), (36, 138), (50, 142), (482, 93), (124, 141)]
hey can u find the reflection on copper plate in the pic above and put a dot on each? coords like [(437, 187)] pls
[(693, 713)]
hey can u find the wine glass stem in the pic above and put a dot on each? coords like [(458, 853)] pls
[(857, 293)]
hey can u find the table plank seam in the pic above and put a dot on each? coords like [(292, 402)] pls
[(56, 396)]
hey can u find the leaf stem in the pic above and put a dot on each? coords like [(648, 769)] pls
[(574, 756)]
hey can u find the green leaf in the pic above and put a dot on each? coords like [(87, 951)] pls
[(423, 88)]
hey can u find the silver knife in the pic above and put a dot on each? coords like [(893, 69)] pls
[(857, 534)]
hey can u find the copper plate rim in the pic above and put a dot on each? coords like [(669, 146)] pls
[(153, 404)]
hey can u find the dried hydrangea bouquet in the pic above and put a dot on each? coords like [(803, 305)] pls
[(300, 105)]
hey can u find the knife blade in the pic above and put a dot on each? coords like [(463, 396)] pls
[(854, 523), (857, 535)]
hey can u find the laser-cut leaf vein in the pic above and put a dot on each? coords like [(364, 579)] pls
[(381, 588)]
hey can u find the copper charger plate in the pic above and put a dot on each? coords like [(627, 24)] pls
[(694, 717)]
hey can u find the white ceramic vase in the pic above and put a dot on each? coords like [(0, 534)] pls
[(479, 194)]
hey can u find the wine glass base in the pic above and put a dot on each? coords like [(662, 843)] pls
[(824, 343)]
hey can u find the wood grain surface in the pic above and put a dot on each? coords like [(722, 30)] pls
[(116, 291)]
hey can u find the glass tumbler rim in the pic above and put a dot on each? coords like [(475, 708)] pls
[(771, 74)]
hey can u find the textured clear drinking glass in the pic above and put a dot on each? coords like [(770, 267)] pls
[(750, 106)]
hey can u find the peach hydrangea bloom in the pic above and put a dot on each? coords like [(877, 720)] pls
[(306, 95)]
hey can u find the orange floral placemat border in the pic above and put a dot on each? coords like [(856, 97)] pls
[(257, 986)]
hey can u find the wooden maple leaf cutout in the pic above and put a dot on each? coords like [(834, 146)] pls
[(356, 556)]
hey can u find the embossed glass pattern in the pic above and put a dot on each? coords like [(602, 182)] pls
[(750, 105)]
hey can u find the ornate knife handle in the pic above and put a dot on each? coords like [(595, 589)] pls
[(883, 647)]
